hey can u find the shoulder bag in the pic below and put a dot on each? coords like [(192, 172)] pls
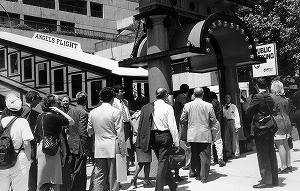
[(50, 144)]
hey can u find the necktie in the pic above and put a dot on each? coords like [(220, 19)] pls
[(123, 111)]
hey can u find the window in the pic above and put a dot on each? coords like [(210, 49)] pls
[(67, 26), (3, 59), (96, 10), (41, 3), (77, 84), (13, 60), (73, 6), (59, 79), (42, 74), (27, 69)]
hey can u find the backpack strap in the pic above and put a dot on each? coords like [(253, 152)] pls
[(8, 126)]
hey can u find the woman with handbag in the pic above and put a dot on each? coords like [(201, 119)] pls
[(48, 129), (284, 126)]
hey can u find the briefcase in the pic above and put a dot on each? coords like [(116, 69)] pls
[(177, 160)]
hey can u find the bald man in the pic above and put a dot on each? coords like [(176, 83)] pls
[(201, 119)]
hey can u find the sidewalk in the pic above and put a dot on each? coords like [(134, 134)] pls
[(238, 175)]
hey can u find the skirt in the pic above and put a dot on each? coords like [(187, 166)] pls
[(49, 168), (142, 156)]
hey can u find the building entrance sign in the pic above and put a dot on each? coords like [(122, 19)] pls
[(270, 68), (57, 41)]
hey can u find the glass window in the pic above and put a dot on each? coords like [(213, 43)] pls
[(59, 80), (96, 10), (14, 63), (28, 69), (2, 58), (96, 86), (76, 81), (42, 73)]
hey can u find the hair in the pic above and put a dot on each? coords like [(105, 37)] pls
[(261, 83), (198, 92), (140, 102), (7, 112), (48, 102), (277, 87), (161, 93), (106, 94), (184, 88), (81, 98), (213, 95), (66, 97), (118, 87), (31, 96)]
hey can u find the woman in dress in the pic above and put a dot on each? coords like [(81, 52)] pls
[(284, 126), (50, 123), (143, 158)]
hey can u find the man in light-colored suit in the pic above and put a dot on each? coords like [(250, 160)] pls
[(201, 119), (106, 123)]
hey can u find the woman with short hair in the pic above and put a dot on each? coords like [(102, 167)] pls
[(284, 126), (50, 123)]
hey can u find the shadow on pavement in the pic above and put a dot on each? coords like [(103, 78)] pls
[(215, 175), (280, 182)]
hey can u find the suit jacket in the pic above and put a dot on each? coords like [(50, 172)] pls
[(78, 132), (144, 129), (106, 121), (201, 119)]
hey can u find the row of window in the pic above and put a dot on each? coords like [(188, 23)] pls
[(73, 6), (30, 71)]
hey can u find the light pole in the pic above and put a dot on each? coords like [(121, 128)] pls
[(9, 20)]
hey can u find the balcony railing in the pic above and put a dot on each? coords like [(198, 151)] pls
[(69, 31)]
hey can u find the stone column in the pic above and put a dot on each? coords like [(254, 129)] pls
[(88, 8), (159, 71), (21, 19), (56, 4)]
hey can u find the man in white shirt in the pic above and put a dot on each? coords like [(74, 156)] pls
[(163, 134), (232, 126), (105, 122)]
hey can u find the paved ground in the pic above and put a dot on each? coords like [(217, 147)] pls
[(238, 175)]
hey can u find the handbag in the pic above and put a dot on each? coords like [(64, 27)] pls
[(290, 142), (177, 159), (50, 144)]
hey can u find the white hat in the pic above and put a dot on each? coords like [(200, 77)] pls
[(13, 103)]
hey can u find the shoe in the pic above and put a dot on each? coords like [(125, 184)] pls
[(261, 185), (133, 183), (173, 188), (290, 168), (186, 167), (147, 184), (177, 178), (192, 174), (203, 181), (236, 156), (221, 163), (283, 171)]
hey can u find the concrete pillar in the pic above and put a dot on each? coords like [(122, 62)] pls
[(56, 4), (159, 71), (58, 25), (21, 19), (88, 8)]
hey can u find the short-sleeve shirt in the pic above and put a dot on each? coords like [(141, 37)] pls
[(19, 132), (52, 124)]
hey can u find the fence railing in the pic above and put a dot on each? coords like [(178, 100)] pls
[(66, 30)]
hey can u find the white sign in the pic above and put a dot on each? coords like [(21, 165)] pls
[(269, 68), (57, 41)]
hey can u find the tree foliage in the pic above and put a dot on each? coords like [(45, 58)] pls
[(277, 21)]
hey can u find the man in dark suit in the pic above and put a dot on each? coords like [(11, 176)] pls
[(262, 105), (78, 143), (158, 130), (32, 99)]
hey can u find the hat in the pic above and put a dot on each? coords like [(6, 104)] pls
[(13, 103)]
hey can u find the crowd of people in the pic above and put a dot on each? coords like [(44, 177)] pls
[(52, 148)]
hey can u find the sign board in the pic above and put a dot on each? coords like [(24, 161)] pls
[(57, 41), (269, 68)]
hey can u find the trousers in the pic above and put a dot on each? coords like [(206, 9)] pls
[(231, 139), (201, 159), (78, 172)]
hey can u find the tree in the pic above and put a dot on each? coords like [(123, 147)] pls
[(277, 21)]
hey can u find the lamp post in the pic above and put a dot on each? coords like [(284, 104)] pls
[(9, 20)]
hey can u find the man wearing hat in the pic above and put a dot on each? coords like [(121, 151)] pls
[(16, 177)]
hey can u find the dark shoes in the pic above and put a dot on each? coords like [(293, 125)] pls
[(283, 171), (177, 178), (221, 163), (261, 185), (192, 174), (290, 168), (147, 184), (133, 183), (203, 180), (173, 188)]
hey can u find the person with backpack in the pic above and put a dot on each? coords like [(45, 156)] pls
[(15, 148)]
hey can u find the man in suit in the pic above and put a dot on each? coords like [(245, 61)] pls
[(262, 104), (158, 130), (106, 123), (32, 99), (201, 119), (78, 143)]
